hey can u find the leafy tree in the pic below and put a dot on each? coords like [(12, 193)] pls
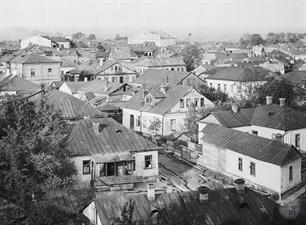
[(32, 156), (192, 56), (91, 37), (245, 40), (256, 39), (213, 94), (78, 36), (275, 88), (155, 125)]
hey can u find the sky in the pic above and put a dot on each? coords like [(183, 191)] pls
[(210, 16)]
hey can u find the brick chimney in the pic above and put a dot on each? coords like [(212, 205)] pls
[(282, 102), (235, 108), (269, 100), (151, 192), (203, 194)]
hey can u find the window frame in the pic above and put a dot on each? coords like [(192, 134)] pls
[(253, 169), (188, 102), (297, 141), (33, 74), (290, 173), (182, 103), (202, 102), (83, 163), (240, 164), (150, 166), (138, 123), (173, 126)]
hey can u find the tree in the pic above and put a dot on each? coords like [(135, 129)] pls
[(91, 37), (245, 40), (256, 39), (192, 56), (155, 125), (213, 94), (78, 36), (33, 155), (275, 88)]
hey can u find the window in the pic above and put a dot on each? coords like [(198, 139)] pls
[(219, 85), (182, 69), (173, 124), (121, 80), (187, 102), (255, 132), (181, 103), (113, 79), (196, 102), (32, 72), (149, 100), (172, 69), (148, 162), (224, 87), (252, 169), (86, 167), (240, 164), (178, 69), (42, 86), (138, 121), (210, 85), (49, 70), (202, 102), (297, 141), (290, 173)]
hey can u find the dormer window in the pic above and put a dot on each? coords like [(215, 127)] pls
[(149, 101)]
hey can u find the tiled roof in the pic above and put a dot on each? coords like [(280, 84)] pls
[(120, 53), (277, 117), (173, 95), (158, 62), (71, 107), (32, 59), (222, 206), (100, 87), (242, 73), (160, 76), (74, 86), (18, 84), (112, 138), (230, 119), (263, 149)]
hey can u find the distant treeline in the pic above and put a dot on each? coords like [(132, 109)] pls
[(271, 38)]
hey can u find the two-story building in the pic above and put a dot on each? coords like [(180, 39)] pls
[(161, 108), (110, 154), (264, 162), (114, 71), (271, 121), (171, 64), (238, 82), (38, 69)]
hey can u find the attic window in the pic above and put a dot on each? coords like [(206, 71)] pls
[(149, 100)]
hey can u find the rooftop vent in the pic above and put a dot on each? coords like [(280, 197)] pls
[(203, 194), (282, 102), (269, 100)]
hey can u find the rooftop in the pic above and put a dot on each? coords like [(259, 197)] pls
[(32, 59), (159, 62), (260, 148), (112, 138), (18, 84), (120, 53)]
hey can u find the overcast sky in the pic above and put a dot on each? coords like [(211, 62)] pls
[(285, 15)]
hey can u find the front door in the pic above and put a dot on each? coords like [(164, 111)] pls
[(132, 122)]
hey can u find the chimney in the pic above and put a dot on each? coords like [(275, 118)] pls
[(239, 183), (282, 102), (151, 192), (163, 88), (235, 108), (268, 100), (96, 127), (203, 194)]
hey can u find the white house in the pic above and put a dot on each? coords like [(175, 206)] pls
[(274, 65), (237, 82), (107, 152), (272, 121), (263, 162), (37, 40), (161, 107), (171, 64), (160, 38)]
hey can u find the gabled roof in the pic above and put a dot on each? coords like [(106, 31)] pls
[(71, 107), (160, 76), (222, 206), (120, 53), (296, 77), (112, 138), (242, 73), (32, 59), (111, 63), (172, 97), (160, 62), (263, 149), (18, 84)]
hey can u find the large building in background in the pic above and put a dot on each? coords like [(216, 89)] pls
[(160, 38)]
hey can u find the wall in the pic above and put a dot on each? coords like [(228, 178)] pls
[(290, 138), (180, 123), (266, 132), (139, 161), (65, 88), (65, 44), (192, 81), (37, 40), (42, 76), (296, 168), (127, 78), (78, 162), (142, 69), (126, 118), (91, 213)]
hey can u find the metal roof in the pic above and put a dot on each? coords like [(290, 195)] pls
[(267, 150), (120, 53), (71, 107), (161, 76), (32, 59), (18, 84), (112, 138), (160, 62), (172, 97)]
